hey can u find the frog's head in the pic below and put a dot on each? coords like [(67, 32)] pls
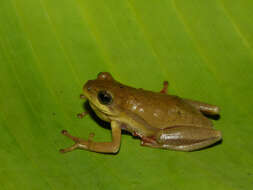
[(104, 94)]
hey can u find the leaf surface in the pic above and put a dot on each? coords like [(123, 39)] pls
[(49, 49)]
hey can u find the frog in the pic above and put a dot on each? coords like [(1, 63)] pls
[(158, 119)]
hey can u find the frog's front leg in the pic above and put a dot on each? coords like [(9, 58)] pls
[(183, 138), (103, 147), (81, 115)]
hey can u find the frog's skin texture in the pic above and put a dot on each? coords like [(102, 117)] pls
[(160, 120)]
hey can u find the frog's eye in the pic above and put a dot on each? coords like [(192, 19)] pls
[(104, 97)]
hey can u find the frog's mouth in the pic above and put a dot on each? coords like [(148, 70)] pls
[(101, 112)]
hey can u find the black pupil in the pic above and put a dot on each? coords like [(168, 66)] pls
[(104, 97)]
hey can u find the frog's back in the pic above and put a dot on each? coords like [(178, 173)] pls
[(163, 110)]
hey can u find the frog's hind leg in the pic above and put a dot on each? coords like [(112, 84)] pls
[(204, 108), (165, 87), (184, 138)]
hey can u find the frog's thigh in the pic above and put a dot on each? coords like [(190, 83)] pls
[(203, 107), (185, 138)]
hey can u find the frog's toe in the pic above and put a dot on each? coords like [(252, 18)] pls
[(165, 87), (81, 115), (73, 147), (62, 150), (64, 132), (82, 96), (91, 135)]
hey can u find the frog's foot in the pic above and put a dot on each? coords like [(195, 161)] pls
[(81, 115), (149, 141), (165, 87), (151, 144), (79, 143)]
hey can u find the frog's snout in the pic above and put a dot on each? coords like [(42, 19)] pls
[(87, 86), (89, 89)]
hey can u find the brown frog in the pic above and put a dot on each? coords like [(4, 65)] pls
[(160, 120)]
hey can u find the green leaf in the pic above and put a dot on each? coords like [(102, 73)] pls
[(50, 48)]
